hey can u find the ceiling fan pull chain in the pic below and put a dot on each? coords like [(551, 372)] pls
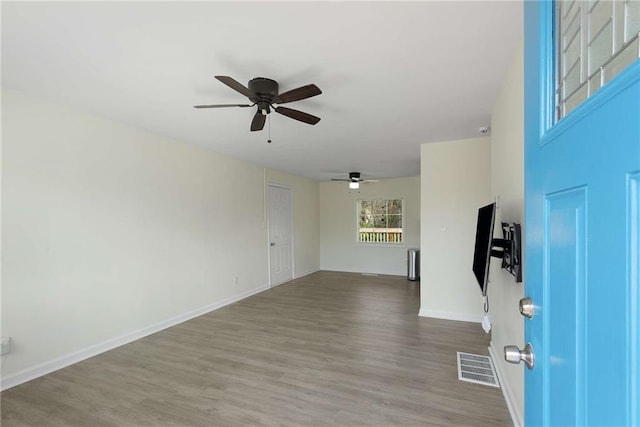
[(269, 130)]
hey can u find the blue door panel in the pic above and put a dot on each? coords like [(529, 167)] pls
[(564, 279), (582, 220)]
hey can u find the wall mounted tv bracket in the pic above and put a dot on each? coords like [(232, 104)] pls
[(509, 249)]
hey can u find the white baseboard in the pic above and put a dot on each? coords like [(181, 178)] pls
[(306, 273), (460, 317), (379, 273), (517, 417), (295, 276), (80, 355)]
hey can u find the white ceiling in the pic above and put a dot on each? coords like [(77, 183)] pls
[(394, 75)]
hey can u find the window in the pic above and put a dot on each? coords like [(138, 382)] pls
[(380, 221), (595, 41)]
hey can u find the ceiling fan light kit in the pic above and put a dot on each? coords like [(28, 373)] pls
[(354, 180), (264, 93)]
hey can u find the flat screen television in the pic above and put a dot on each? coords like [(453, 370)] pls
[(484, 237)]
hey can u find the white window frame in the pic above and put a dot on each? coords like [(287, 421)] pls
[(380, 243)]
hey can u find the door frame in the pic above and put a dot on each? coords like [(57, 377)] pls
[(291, 231)]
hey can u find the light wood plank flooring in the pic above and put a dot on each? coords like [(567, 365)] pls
[(327, 349)]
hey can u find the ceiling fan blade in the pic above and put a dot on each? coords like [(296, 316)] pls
[(258, 121), (222, 105), (342, 180), (237, 86), (303, 92), (298, 115), (369, 180)]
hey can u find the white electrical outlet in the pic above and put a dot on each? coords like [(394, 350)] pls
[(5, 346)]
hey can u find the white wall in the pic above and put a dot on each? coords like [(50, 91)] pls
[(111, 233), (306, 220), (507, 181), (339, 250), (456, 181)]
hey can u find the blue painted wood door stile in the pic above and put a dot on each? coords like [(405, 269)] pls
[(582, 209)]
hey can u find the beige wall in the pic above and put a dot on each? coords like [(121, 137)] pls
[(338, 248), (456, 181), (112, 233), (507, 182), (306, 220)]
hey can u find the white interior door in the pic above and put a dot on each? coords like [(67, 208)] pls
[(280, 234)]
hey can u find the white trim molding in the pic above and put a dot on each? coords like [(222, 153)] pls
[(446, 315), (295, 276), (306, 273), (80, 355), (517, 416), (371, 273)]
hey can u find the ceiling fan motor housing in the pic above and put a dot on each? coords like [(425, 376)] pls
[(263, 87), (354, 176)]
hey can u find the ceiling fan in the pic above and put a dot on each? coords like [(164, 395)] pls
[(354, 180), (263, 92)]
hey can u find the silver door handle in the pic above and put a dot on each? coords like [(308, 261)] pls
[(272, 244), (526, 307), (513, 354)]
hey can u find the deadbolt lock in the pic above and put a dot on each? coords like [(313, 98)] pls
[(526, 307)]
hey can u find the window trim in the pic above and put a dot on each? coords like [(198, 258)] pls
[(380, 244)]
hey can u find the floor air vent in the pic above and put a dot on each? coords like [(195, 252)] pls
[(478, 369)]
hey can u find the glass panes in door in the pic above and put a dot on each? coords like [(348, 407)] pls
[(595, 40)]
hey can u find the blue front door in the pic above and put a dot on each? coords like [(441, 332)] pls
[(582, 210)]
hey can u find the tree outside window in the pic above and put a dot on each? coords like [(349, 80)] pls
[(380, 221)]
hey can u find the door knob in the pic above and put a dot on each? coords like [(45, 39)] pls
[(526, 307), (272, 244), (513, 354)]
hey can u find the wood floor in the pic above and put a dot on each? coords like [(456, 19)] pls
[(327, 349)]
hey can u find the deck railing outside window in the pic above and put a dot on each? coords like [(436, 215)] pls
[(382, 235)]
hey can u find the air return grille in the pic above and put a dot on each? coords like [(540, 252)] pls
[(478, 369)]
